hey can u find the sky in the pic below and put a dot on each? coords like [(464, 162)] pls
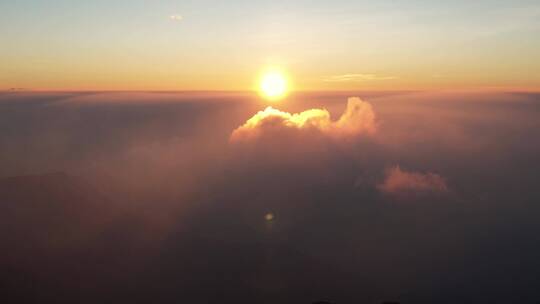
[(224, 45)]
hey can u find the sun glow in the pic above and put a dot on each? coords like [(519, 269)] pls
[(273, 85)]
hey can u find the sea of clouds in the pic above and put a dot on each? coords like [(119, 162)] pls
[(167, 197)]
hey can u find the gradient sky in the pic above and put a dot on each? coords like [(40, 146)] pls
[(223, 45)]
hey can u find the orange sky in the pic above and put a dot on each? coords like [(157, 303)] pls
[(346, 45)]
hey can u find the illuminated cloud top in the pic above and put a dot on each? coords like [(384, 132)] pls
[(357, 119)]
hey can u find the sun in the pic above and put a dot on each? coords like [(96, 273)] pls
[(273, 85)]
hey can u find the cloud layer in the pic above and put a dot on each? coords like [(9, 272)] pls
[(155, 184)]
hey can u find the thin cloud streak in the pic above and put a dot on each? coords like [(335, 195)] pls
[(356, 78)]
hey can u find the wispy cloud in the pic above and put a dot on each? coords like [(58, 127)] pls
[(400, 182), (356, 78), (176, 17)]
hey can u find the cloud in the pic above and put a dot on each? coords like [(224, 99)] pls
[(158, 173), (358, 118), (176, 17), (400, 182), (356, 78)]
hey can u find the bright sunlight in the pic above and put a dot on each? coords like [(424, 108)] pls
[(273, 85)]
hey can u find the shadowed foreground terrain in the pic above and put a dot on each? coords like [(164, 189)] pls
[(149, 198)]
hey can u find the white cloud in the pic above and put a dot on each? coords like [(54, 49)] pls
[(358, 118), (176, 17)]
